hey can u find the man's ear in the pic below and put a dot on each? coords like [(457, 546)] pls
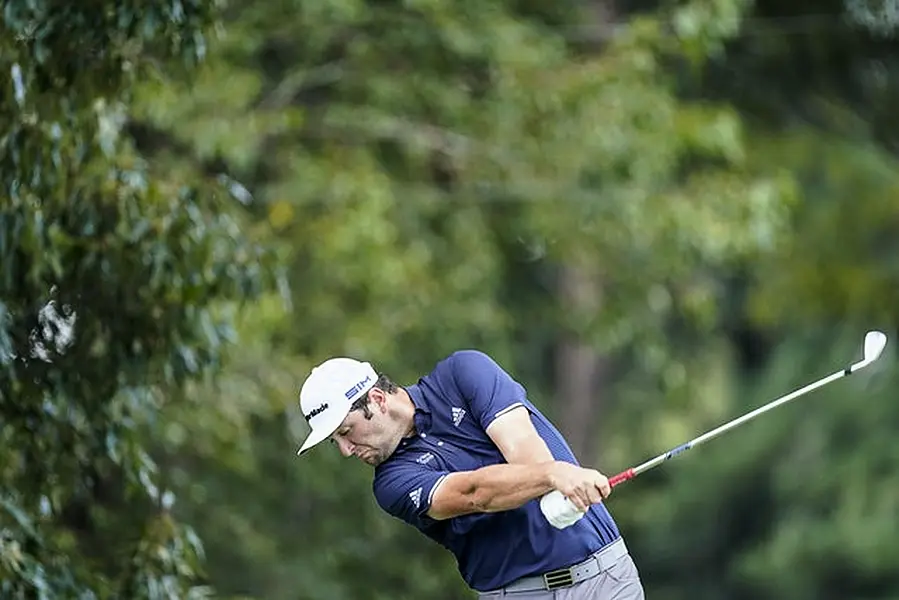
[(379, 397)]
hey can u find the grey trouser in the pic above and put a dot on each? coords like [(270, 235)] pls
[(617, 581)]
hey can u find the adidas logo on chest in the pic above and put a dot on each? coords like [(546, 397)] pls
[(415, 496)]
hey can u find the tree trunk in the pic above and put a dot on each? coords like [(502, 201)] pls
[(580, 371)]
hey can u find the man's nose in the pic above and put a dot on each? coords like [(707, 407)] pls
[(346, 448)]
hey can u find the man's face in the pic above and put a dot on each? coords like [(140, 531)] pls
[(368, 435)]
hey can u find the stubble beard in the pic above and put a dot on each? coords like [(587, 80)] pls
[(386, 451)]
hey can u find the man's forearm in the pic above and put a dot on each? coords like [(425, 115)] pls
[(496, 488), (503, 487)]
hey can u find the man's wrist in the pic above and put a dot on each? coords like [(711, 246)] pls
[(546, 474)]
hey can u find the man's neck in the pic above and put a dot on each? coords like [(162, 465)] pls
[(405, 412)]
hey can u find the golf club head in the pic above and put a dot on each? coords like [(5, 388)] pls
[(875, 342)]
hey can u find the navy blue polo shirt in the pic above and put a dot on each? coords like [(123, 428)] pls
[(454, 404)]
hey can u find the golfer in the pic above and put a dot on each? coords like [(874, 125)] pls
[(464, 457)]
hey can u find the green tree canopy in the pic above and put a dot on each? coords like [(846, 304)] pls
[(116, 286)]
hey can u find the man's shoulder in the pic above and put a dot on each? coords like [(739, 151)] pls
[(449, 367), (454, 369), (463, 360), (461, 355)]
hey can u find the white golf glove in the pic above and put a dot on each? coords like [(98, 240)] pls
[(559, 510)]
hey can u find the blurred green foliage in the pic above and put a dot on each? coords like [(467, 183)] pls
[(655, 216), (116, 289)]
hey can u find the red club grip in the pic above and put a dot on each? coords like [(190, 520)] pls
[(621, 477)]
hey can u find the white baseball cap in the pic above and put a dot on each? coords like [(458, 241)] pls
[(328, 393)]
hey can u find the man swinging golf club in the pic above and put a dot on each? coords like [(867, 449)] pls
[(464, 457)]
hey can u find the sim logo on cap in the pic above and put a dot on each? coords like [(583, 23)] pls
[(352, 391)]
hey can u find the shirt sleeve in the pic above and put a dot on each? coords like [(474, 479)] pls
[(488, 388), (405, 490)]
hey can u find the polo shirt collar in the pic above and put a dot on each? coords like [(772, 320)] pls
[(422, 410)]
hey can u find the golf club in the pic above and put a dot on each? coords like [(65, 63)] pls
[(875, 341)]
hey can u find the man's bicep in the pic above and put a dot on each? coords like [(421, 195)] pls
[(514, 434)]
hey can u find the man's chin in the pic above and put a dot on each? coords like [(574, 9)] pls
[(372, 460)]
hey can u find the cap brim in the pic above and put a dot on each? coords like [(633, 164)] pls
[(314, 438), (322, 432)]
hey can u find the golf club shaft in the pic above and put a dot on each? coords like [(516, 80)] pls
[(633, 472)]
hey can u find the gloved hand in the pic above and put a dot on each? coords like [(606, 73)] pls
[(559, 510)]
